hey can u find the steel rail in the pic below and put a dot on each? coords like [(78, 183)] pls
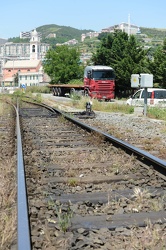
[(52, 110), (142, 155), (23, 228)]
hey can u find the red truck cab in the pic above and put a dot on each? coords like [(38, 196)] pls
[(99, 82)]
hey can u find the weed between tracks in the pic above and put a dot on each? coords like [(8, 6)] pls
[(73, 182), (64, 217), (81, 164), (140, 200), (150, 237), (63, 212)]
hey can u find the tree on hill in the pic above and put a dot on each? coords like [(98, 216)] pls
[(18, 40), (154, 33), (102, 35), (123, 54), (62, 64), (158, 66)]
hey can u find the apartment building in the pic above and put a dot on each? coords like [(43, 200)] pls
[(27, 34), (125, 27), (90, 35)]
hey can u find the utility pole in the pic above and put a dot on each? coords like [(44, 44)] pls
[(144, 81)]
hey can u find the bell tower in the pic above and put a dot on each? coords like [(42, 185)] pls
[(34, 46)]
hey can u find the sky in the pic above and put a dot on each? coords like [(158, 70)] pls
[(26, 15)]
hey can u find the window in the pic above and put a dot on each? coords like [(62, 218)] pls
[(148, 94), (160, 94), (103, 74), (33, 48), (136, 95)]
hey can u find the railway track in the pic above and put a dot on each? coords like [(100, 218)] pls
[(86, 189), (85, 193)]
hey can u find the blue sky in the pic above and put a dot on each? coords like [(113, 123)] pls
[(25, 15)]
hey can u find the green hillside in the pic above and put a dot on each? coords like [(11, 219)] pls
[(66, 33), (154, 32), (63, 33)]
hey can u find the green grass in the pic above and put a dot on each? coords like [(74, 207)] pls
[(101, 106), (18, 93), (64, 217), (77, 82), (157, 113), (37, 89)]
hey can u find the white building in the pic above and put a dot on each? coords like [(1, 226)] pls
[(27, 34), (22, 50), (34, 50), (90, 35), (129, 28), (125, 27)]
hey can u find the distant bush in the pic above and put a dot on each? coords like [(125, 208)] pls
[(38, 89), (18, 92), (76, 81)]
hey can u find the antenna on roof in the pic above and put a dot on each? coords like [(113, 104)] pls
[(128, 24)]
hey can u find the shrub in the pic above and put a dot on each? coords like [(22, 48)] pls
[(38, 89), (157, 113)]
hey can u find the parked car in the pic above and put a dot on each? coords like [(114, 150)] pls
[(155, 97)]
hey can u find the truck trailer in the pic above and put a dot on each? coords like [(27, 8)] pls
[(99, 83)]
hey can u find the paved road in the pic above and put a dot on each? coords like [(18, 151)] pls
[(56, 98)]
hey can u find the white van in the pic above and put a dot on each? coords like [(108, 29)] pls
[(155, 97)]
